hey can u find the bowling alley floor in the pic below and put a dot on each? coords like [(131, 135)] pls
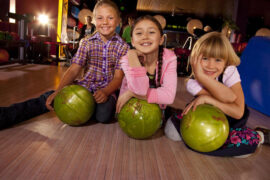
[(45, 148)]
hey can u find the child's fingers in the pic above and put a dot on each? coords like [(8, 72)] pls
[(197, 59), (119, 106), (200, 57), (194, 107), (49, 107), (187, 109), (98, 98), (101, 99), (49, 103)]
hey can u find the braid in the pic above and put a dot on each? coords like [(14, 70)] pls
[(160, 60)]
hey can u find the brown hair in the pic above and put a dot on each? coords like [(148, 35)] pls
[(108, 3), (160, 50)]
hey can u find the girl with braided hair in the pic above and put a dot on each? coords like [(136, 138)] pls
[(150, 69)]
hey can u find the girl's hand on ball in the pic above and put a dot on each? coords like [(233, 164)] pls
[(122, 100), (202, 99)]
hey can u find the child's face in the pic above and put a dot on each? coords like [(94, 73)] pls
[(146, 37), (106, 21), (88, 19), (213, 67)]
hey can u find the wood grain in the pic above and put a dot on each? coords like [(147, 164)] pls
[(45, 148)]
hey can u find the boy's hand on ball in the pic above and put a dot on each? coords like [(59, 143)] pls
[(100, 96), (50, 100)]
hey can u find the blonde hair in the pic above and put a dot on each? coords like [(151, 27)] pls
[(216, 45), (107, 3)]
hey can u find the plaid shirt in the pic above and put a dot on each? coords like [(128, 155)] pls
[(99, 59)]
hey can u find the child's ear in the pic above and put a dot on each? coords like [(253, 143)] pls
[(161, 40)]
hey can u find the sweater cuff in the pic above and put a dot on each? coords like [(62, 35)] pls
[(137, 71)]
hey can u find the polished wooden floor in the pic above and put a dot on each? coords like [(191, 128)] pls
[(45, 148)]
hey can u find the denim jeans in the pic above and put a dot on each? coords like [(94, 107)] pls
[(23, 111), (105, 111)]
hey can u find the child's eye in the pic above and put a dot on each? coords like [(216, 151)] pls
[(152, 32), (138, 33), (204, 58), (218, 60)]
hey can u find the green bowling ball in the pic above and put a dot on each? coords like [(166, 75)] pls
[(139, 119), (205, 129), (74, 105)]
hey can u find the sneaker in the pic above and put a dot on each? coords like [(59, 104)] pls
[(172, 129), (266, 134), (261, 140)]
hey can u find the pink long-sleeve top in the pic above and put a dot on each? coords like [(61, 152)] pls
[(137, 81)]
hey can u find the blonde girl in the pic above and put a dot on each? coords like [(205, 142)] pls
[(215, 80)]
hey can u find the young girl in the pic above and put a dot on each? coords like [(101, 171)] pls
[(216, 81), (98, 55), (150, 70)]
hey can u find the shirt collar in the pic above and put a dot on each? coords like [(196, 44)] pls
[(116, 37)]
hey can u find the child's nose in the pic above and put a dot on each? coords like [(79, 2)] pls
[(145, 35), (211, 64), (105, 21)]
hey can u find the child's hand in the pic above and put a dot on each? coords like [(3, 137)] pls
[(136, 58), (122, 100), (141, 57), (100, 96), (196, 66), (50, 100), (203, 99)]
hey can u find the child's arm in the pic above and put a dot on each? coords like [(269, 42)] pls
[(162, 95), (212, 86), (123, 99), (138, 82), (235, 109), (102, 94), (166, 93), (135, 73), (69, 76)]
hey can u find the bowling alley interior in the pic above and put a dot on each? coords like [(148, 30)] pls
[(39, 43)]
